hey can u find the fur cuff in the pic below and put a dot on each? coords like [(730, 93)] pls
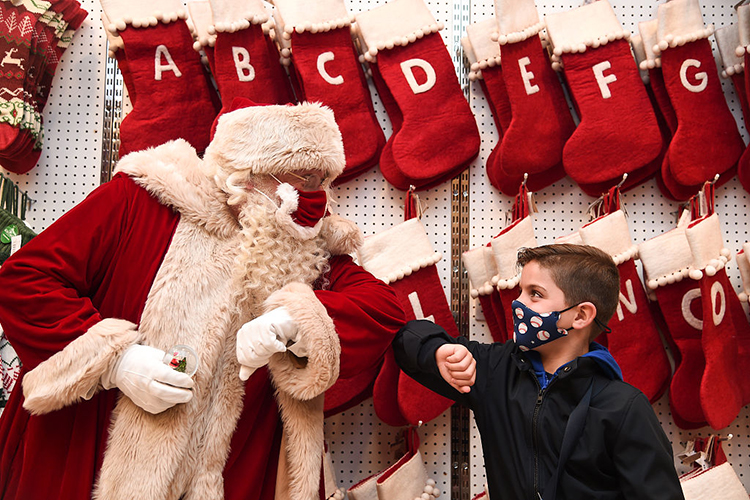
[(73, 373), (341, 236), (480, 48), (324, 351)]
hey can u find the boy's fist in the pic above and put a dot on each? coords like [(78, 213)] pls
[(457, 366)]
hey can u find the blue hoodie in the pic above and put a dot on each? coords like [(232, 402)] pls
[(598, 352)]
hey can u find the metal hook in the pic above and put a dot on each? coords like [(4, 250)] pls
[(624, 177)]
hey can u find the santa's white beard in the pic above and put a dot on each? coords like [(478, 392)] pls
[(271, 257)]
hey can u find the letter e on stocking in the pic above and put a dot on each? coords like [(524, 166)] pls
[(527, 76)]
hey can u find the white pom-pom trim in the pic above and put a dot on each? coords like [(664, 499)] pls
[(630, 253), (320, 27), (200, 43), (339, 494), (407, 270), (372, 52), (241, 24), (506, 283), (518, 36), (714, 265), (485, 289), (735, 69), (144, 22), (742, 296), (668, 279), (477, 67), (650, 64), (594, 44), (429, 492), (679, 40)]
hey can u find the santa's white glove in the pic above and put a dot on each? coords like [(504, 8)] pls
[(141, 375), (263, 337)]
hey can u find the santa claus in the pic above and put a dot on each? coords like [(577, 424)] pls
[(235, 255)]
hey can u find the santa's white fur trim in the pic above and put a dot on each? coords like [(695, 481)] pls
[(679, 22), (482, 51), (396, 23), (73, 374), (505, 248), (314, 324), (275, 139), (175, 175), (707, 246), (666, 258), (517, 20), (398, 252), (610, 233), (141, 13), (589, 26), (480, 266)]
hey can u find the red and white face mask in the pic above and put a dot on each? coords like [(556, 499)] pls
[(300, 212)]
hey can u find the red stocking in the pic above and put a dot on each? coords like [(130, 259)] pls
[(706, 141), (610, 233), (721, 396), (329, 72), (618, 132), (666, 260), (429, 147), (540, 113), (402, 256), (505, 246), (480, 266), (167, 76)]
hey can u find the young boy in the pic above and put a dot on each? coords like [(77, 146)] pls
[(523, 393)]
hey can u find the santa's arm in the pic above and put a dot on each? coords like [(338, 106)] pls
[(366, 312), (45, 309)]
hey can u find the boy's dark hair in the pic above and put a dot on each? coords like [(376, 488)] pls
[(584, 274)]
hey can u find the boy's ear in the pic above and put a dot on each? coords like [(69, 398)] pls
[(585, 315)]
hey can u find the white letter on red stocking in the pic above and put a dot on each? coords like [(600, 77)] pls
[(717, 292), (629, 301), (527, 76), (702, 77), (417, 307), (604, 81), (687, 314), (245, 70), (162, 50), (418, 88), (322, 60)]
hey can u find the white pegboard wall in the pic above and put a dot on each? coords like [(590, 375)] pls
[(360, 444), (68, 168), (562, 210)]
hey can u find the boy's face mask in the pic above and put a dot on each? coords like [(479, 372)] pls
[(532, 329)]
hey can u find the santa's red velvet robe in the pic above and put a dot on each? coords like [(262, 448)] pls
[(99, 261)]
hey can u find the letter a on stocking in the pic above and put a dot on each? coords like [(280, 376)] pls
[(174, 99)]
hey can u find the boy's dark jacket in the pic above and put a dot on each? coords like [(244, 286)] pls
[(623, 452)]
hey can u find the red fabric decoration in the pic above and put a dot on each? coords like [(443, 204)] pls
[(328, 72), (164, 70), (540, 113), (618, 132)]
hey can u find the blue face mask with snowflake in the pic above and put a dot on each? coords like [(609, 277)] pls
[(532, 329)]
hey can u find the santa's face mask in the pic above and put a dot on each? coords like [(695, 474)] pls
[(301, 212), (532, 329)]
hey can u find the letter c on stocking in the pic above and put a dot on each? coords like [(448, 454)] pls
[(322, 60)]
